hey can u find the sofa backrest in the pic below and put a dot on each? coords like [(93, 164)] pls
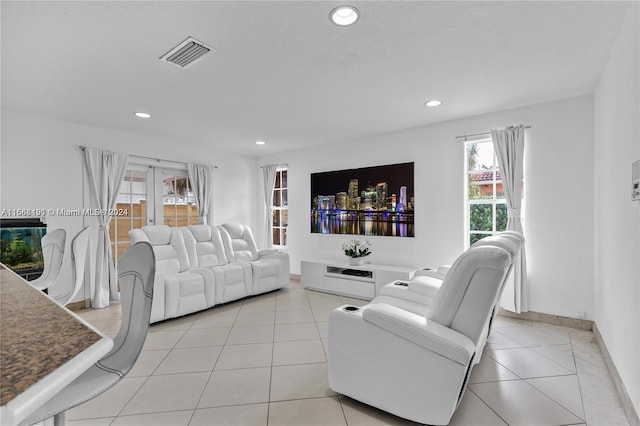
[(168, 247), (238, 242), (204, 246), (469, 291), (512, 242)]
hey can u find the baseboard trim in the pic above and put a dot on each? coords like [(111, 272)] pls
[(629, 409), (76, 306), (579, 323), (294, 277)]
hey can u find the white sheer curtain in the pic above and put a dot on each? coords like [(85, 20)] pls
[(201, 178), (509, 148), (269, 179), (105, 170)]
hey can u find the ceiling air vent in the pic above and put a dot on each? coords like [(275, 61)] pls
[(186, 53)]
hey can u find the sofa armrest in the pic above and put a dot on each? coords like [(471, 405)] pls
[(266, 252), (415, 328), (424, 285), (438, 273), (443, 269)]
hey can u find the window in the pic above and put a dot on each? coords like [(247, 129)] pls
[(280, 209), (486, 208)]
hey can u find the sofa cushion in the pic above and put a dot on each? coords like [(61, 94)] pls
[(167, 262), (207, 246), (184, 294), (158, 234), (240, 244)]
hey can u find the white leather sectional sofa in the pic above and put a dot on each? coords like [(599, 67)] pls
[(201, 266)]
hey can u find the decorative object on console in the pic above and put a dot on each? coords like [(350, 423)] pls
[(356, 250), (375, 200)]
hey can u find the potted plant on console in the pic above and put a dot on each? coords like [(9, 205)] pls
[(356, 251)]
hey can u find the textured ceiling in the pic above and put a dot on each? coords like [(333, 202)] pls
[(281, 72)]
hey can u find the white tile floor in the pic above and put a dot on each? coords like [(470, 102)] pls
[(262, 361)]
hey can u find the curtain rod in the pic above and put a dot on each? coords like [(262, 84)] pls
[(279, 165), (82, 148), (465, 137)]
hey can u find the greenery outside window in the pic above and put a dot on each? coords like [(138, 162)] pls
[(280, 209)]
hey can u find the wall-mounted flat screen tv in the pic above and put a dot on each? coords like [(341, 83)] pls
[(367, 201)]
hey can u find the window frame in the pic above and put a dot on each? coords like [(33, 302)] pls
[(283, 229), (495, 200)]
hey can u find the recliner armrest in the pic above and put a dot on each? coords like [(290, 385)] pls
[(443, 269), (415, 328), (266, 252), (438, 273), (425, 285)]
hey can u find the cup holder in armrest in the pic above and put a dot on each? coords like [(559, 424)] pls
[(350, 308)]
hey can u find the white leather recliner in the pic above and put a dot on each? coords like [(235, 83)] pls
[(177, 291), (269, 268), (416, 364), (224, 280), (420, 291)]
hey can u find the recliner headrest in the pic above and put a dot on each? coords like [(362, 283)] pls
[(499, 240), (158, 234), (235, 230), (201, 232)]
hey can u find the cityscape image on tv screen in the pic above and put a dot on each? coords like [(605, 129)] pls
[(365, 201)]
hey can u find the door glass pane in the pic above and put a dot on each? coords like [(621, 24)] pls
[(131, 210), (179, 207), (275, 214)]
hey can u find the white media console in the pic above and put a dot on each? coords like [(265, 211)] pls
[(362, 282)]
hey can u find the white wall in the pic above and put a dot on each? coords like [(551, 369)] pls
[(559, 208), (617, 218), (42, 168)]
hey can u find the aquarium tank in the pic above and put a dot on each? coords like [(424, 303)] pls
[(20, 247)]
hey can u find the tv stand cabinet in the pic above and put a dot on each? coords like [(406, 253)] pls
[(361, 282)]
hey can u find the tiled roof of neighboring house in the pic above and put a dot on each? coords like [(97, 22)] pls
[(485, 176)]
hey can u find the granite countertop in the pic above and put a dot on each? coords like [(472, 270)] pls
[(37, 335)]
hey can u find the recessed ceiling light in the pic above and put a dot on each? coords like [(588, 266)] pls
[(260, 142), (142, 114), (433, 103), (344, 15)]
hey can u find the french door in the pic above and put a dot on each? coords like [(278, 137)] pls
[(151, 195)]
